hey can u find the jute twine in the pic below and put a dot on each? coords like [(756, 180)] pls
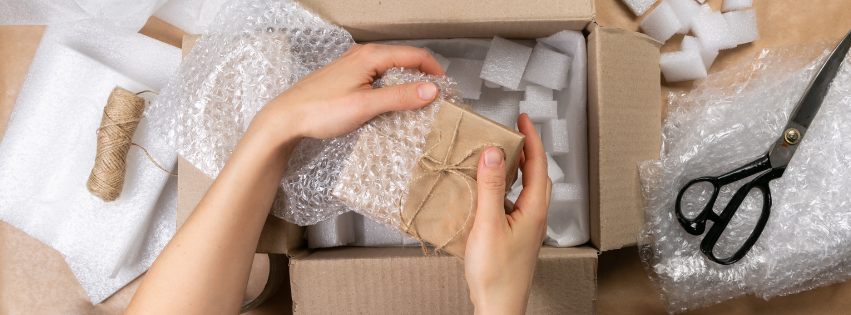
[(443, 169), (121, 116)]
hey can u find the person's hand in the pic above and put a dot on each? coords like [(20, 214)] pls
[(503, 245), (338, 98)]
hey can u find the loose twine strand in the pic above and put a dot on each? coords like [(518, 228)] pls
[(432, 166), (121, 116)]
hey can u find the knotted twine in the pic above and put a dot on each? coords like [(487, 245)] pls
[(432, 166), (121, 116)]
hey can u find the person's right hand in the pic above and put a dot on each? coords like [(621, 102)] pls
[(503, 245), (338, 98)]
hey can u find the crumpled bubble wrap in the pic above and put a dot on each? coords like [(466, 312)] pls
[(396, 139), (724, 122), (253, 51)]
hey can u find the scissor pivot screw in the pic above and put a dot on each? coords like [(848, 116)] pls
[(792, 136)]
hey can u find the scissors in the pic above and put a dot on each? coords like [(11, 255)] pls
[(768, 167)]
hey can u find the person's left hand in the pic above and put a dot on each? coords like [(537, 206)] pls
[(338, 98)]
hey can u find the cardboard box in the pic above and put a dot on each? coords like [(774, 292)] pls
[(624, 116), (624, 125)]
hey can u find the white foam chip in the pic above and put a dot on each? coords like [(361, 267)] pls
[(693, 44), (742, 26), (554, 136), (466, 73), (686, 10), (553, 171), (491, 85), (335, 231), (547, 68), (736, 5), (443, 61), (538, 128), (712, 31), (540, 111), (639, 6), (353, 229), (682, 66), (705, 8), (498, 105), (661, 23), (505, 62), (523, 86), (538, 93), (73, 72)]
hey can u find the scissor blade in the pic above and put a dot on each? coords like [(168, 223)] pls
[(784, 148), (809, 105)]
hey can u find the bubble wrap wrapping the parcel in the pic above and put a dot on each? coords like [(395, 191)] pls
[(252, 51), (730, 119)]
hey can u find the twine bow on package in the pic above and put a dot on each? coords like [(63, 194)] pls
[(416, 170), (727, 120)]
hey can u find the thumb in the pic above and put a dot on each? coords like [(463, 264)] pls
[(401, 97), (490, 181)]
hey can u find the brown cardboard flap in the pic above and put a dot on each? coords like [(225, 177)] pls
[(369, 20), (624, 124), (350, 280)]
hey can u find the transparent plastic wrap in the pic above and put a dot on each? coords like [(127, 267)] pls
[(396, 139), (730, 119), (252, 51)]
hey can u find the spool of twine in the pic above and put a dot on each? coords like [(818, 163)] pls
[(121, 116)]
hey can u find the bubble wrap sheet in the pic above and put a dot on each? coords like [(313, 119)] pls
[(726, 121), (129, 15), (253, 51), (396, 139), (49, 148)]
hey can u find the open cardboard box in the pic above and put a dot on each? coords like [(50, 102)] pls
[(624, 125)]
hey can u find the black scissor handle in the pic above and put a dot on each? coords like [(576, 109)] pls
[(717, 229), (697, 225)]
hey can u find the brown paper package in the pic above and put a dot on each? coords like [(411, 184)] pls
[(441, 202)]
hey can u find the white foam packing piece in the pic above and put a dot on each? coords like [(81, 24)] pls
[(691, 43), (682, 65), (555, 137), (742, 26), (443, 61), (505, 62), (491, 85), (192, 16), (661, 23), (736, 5), (565, 223), (538, 93), (353, 229), (75, 68), (547, 68), (705, 8), (128, 15), (712, 31), (540, 111), (639, 6), (686, 10), (466, 73), (523, 86), (498, 105)]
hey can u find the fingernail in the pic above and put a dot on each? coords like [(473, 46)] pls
[(427, 91), (493, 157)]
